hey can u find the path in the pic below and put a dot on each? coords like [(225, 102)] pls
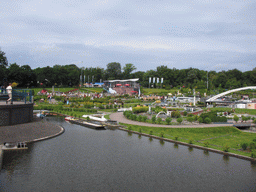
[(36, 130), (119, 117)]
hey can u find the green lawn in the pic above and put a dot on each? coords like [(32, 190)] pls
[(217, 137)]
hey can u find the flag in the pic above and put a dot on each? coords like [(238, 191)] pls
[(154, 79), (149, 79), (157, 80), (162, 80)]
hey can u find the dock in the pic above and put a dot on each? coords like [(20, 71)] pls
[(88, 124)]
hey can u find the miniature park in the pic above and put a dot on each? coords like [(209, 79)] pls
[(175, 115)]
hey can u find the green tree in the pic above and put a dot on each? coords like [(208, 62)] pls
[(127, 70), (153, 119), (168, 120), (3, 59), (236, 118), (179, 120), (113, 70)]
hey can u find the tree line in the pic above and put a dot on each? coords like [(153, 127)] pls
[(71, 75)]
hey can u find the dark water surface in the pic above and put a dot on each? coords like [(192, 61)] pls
[(84, 159)]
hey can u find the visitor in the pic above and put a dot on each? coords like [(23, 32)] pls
[(9, 92), (2, 89)]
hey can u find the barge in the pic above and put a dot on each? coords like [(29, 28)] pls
[(88, 124)]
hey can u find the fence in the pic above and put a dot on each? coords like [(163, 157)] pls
[(23, 95)]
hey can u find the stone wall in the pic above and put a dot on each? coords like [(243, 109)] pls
[(15, 114)]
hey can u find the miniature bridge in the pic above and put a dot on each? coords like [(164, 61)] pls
[(230, 91)]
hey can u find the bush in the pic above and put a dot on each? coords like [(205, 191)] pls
[(161, 134), (207, 120), (236, 118), (253, 155), (226, 148), (176, 138), (244, 146), (252, 146), (200, 120), (168, 120), (190, 119), (179, 120), (153, 119), (185, 113), (144, 118), (254, 121), (175, 114), (159, 120), (139, 109), (150, 132), (190, 141), (206, 144)]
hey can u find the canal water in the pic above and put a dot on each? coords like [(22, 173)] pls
[(83, 159)]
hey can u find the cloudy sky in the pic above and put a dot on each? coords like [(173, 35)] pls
[(204, 34)]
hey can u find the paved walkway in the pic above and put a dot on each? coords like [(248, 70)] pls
[(36, 130), (119, 117)]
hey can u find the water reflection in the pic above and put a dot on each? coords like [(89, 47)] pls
[(83, 159), (190, 149), (206, 152), (161, 142), (176, 145)]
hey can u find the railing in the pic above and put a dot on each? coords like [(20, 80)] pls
[(23, 95)]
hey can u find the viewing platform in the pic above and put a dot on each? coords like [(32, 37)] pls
[(17, 111)]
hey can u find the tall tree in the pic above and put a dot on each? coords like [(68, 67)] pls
[(3, 59), (113, 70), (127, 70)]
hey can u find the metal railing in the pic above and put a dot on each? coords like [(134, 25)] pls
[(22, 95)]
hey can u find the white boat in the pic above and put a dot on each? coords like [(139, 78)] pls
[(68, 118), (102, 118)]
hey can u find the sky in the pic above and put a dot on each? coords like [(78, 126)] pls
[(204, 34)]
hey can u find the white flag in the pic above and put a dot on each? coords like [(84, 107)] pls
[(154, 79), (162, 80), (157, 80)]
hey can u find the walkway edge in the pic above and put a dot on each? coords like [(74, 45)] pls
[(48, 137), (194, 146)]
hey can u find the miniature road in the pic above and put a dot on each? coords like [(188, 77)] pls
[(36, 130), (119, 117)]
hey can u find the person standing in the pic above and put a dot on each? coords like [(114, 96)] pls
[(9, 92)]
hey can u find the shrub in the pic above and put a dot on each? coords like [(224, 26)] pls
[(140, 130), (207, 120), (153, 119), (175, 114), (252, 146), (179, 120), (200, 120), (206, 144), (144, 118), (159, 120), (168, 120), (139, 118), (190, 115), (226, 148), (244, 146), (139, 109), (254, 121), (161, 134), (253, 155), (190, 119), (176, 138), (190, 141), (150, 132), (236, 118), (185, 113)]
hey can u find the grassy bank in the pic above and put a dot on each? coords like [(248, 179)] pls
[(214, 137)]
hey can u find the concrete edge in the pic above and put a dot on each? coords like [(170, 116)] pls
[(47, 137), (194, 146)]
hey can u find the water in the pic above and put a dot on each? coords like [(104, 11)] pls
[(84, 159)]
